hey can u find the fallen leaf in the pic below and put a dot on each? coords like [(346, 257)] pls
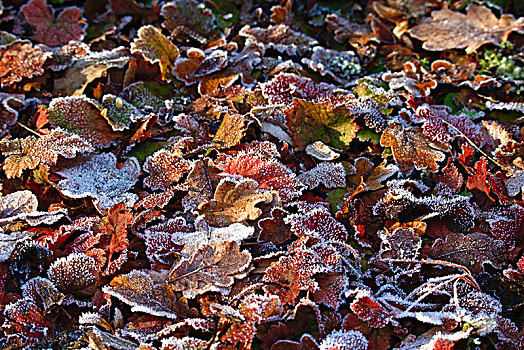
[(211, 268), (20, 60), (448, 29)]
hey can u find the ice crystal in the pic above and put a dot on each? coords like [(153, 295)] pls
[(96, 176)]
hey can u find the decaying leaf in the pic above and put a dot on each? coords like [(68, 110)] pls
[(155, 48), (331, 175), (231, 131), (22, 205), (234, 201), (211, 268), (68, 25), (448, 29), (411, 148), (76, 273), (279, 37), (31, 152), (97, 177), (20, 60), (310, 122), (188, 18), (515, 184)]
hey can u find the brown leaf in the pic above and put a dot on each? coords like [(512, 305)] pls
[(448, 30), (20, 60), (234, 201), (472, 250), (211, 268), (411, 148)]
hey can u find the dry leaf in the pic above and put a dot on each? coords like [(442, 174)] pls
[(231, 131), (234, 201), (411, 148), (21, 60), (448, 29), (211, 268)]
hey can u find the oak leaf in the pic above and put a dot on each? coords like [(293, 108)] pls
[(411, 148), (155, 48), (234, 201), (310, 122), (448, 29), (211, 268), (68, 25)]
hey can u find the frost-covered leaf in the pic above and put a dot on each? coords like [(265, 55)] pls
[(471, 250), (29, 153), (515, 184), (68, 25), (22, 205), (81, 115), (412, 78), (20, 60), (9, 106), (448, 29), (96, 176), (234, 201), (155, 48), (165, 168), (274, 229), (279, 37), (76, 273), (231, 131), (321, 151), (120, 113), (344, 340), (310, 122), (366, 307), (269, 174), (283, 88), (8, 242), (331, 175), (339, 65), (188, 17), (318, 224), (411, 148), (200, 183), (211, 268), (400, 244), (86, 68), (43, 292), (143, 294)]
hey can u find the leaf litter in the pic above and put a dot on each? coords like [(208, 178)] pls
[(261, 174)]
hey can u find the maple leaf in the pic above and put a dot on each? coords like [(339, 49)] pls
[(279, 37), (310, 121), (234, 201), (139, 290), (31, 152), (331, 175), (411, 148), (269, 174), (96, 176), (471, 250), (20, 60), (165, 168), (211, 268), (155, 48), (81, 115), (68, 25), (76, 273), (448, 29)]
